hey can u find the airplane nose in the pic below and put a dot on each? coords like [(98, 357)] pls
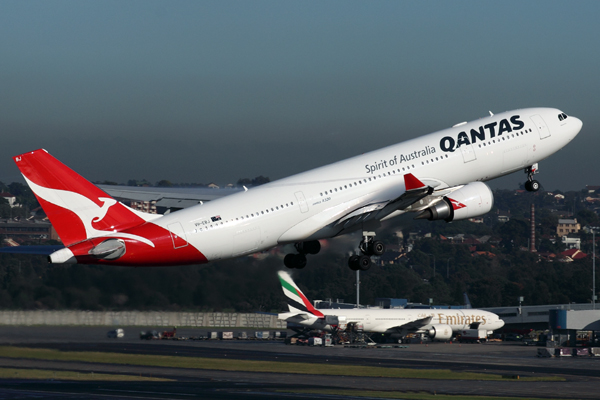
[(577, 125)]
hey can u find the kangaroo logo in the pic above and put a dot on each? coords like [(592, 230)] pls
[(457, 205), (90, 213)]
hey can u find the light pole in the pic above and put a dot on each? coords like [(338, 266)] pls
[(357, 288), (594, 270), (521, 298)]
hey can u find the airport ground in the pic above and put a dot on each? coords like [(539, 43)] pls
[(306, 372)]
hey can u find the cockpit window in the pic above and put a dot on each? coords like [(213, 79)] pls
[(562, 116)]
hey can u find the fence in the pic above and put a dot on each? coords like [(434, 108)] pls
[(141, 318)]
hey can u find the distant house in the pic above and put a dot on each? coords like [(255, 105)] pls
[(144, 206), (27, 230), (212, 185), (483, 254), (592, 189), (566, 226), (503, 216), (571, 255), (12, 200), (571, 241), (548, 256)]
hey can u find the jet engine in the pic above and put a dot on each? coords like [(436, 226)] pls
[(440, 332), (472, 200)]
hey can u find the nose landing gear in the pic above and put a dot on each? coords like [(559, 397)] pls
[(532, 185)]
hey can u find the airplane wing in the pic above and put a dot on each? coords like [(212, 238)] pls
[(418, 323), (419, 195), (415, 191), (173, 198), (354, 214), (411, 326)]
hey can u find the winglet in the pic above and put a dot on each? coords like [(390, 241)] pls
[(411, 182)]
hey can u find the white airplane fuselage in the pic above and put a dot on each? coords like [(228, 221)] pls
[(306, 206), (398, 321)]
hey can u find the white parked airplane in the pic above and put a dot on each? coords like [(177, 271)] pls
[(439, 324), (439, 176)]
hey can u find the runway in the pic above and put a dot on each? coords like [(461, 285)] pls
[(582, 374)]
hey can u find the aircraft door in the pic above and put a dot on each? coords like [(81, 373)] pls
[(177, 235), (468, 153), (541, 126), (301, 202)]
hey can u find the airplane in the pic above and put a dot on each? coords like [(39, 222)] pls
[(438, 324), (438, 176)]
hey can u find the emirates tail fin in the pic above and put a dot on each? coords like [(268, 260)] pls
[(297, 301), (77, 209)]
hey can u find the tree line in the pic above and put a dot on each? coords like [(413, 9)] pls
[(435, 268)]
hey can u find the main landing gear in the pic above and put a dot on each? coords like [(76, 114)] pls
[(298, 260), (368, 247), (532, 185)]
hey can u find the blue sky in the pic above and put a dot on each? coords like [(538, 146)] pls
[(199, 91)]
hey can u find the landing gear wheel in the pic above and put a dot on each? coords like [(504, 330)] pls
[(535, 186), (532, 186), (377, 248), (364, 263), (295, 261), (311, 247), (370, 247)]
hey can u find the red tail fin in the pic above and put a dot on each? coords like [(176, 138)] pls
[(77, 208)]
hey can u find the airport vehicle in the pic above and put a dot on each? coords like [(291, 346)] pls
[(472, 335), (438, 324), (438, 176), (150, 335), (116, 333)]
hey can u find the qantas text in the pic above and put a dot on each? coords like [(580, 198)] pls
[(491, 130)]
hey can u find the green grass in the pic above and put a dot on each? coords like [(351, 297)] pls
[(408, 395), (43, 374), (225, 364)]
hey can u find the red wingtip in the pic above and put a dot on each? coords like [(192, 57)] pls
[(411, 182)]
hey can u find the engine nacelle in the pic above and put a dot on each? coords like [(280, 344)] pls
[(472, 200), (440, 332)]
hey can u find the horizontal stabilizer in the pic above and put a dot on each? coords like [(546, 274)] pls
[(44, 250), (294, 315)]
